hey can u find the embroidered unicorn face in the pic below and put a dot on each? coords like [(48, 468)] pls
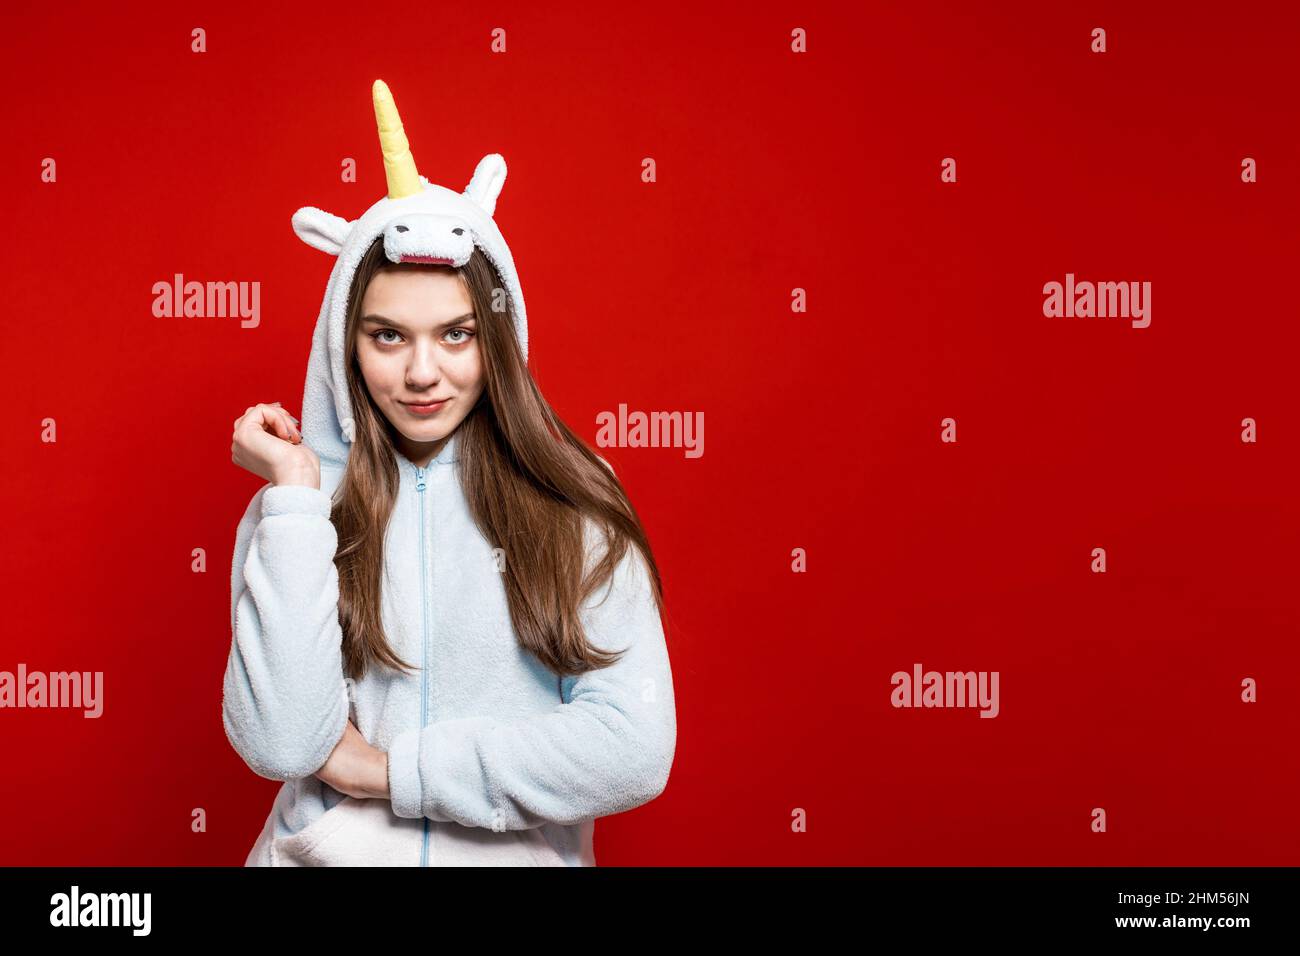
[(420, 222)]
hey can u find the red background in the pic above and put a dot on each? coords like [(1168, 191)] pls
[(775, 171)]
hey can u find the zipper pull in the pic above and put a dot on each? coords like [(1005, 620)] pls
[(419, 479)]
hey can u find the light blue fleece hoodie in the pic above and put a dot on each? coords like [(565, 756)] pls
[(492, 759)]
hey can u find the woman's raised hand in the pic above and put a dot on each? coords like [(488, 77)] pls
[(267, 442)]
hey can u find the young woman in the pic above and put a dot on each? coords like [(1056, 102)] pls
[(446, 617)]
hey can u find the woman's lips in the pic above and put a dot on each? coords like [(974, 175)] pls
[(426, 409)]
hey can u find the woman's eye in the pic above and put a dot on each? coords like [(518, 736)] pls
[(376, 337), (465, 332)]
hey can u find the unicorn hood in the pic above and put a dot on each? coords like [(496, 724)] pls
[(419, 222)]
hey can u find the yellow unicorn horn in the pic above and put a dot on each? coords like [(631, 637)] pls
[(399, 164)]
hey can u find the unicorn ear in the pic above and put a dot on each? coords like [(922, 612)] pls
[(485, 186), (320, 229)]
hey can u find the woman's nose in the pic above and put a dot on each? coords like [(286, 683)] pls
[(424, 365)]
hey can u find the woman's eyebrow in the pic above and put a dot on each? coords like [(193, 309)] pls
[(376, 319)]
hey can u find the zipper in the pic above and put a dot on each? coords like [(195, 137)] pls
[(424, 642)]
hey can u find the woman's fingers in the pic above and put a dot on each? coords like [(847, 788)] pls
[(252, 446), (275, 419), (295, 434), (270, 417)]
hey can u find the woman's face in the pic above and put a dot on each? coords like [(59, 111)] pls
[(417, 343)]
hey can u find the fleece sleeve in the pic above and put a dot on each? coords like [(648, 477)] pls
[(284, 699), (606, 748)]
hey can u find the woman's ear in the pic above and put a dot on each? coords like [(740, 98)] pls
[(320, 229)]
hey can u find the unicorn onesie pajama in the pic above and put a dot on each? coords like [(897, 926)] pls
[(492, 758)]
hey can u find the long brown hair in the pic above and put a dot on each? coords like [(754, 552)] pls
[(528, 479)]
